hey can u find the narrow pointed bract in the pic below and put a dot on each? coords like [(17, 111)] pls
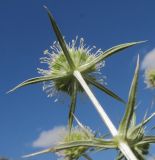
[(60, 38), (36, 80), (124, 125), (103, 88), (108, 53)]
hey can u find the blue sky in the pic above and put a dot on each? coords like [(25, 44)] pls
[(25, 32)]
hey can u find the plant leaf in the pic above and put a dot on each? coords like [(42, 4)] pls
[(72, 105), (60, 38), (125, 123), (97, 143), (86, 143), (35, 80), (107, 54), (103, 88)]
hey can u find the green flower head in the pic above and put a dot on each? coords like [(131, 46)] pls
[(58, 65), (150, 78), (71, 145), (77, 134)]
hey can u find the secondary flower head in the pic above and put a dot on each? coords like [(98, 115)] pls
[(68, 145), (58, 65), (150, 78), (148, 65), (77, 134)]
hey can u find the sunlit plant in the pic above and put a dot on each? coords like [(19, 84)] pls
[(72, 67)]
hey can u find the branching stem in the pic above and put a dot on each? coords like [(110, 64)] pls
[(125, 149)]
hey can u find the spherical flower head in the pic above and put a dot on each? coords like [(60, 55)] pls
[(58, 65), (76, 134), (134, 139), (150, 78)]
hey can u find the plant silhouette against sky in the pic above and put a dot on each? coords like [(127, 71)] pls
[(70, 69)]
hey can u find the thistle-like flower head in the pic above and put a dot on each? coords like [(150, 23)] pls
[(150, 78), (77, 134), (58, 65), (72, 144)]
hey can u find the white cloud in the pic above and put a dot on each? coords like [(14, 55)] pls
[(149, 60), (50, 137)]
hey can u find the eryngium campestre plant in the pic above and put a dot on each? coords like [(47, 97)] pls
[(129, 132), (78, 141), (62, 67)]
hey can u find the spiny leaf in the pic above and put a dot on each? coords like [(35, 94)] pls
[(60, 38), (95, 143), (125, 123), (86, 143), (103, 88), (107, 54), (34, 80), (72, 105)]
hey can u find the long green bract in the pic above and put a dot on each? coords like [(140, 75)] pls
[(86, 143), (125, 123), (60, 38), (36, 80), (103, 88), (107, 54)]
